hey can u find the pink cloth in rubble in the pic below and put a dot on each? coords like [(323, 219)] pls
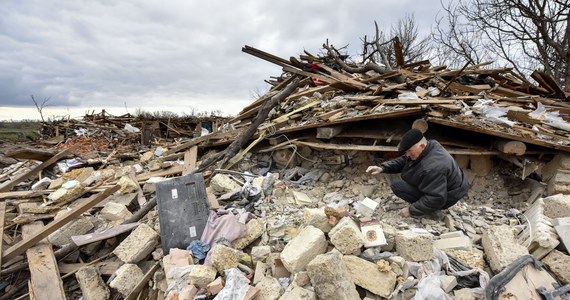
[(227, 226)]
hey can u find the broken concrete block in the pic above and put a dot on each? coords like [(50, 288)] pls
[(69, 191), (224, 184), (275, 263), (390, 235), (224, 257), (175, 259), (561, 221), (347, 237), (63, 235), (559, 264), (557, 206), (127, 185), (92, 285), (215, 286), (138, 245), (415, 245), (254, 229), (448, 283), (259, 274), (317, 217), (366, 207), (368, 276), (126, 278), (330, 277), (501, 247), (303, 199), (42, 184), (115, 212), (563, 232), (302, 278), (298, 293), (539, 235), (201, 275), (473, 258), (270, 289), (309, 243), (260, 253), (453, 240), (464, 294)]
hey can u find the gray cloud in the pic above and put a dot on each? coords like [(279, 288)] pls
[(178, 53)]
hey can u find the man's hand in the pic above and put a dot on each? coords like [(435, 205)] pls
[(374, 170), (405, 212)]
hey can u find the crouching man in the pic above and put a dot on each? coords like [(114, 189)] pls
[(431, 180)]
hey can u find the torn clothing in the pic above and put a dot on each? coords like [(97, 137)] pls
[(434, 181)]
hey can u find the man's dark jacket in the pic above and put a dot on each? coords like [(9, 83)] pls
[(435, 174)]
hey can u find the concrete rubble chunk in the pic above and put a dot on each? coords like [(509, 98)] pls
[(309, 243), (390, 235), (539, 235), (223, 184), (448, 283), (92, 285), (298, 293), (275, 263), (557, 206), (215, 286), (415, 245), (270, 289), (559, 264), (501, 247), (63, 235), (127, 185), (330, 277), (464, 294), (303, 199), (224, 257), (347, 237), (254, 229), (368, 276), (260, 253), (67, 192), (453, 240), (302, 278), (126, 278), (201, 275), (115, 212), (317, 217), (138, 245), (473, 258)]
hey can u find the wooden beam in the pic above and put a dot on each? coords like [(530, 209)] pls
[(171, 171), (298, 71), (105, 267), (89, 238), (190, 159), (192, 142), (26, 243), (34, 171), (21, 194), (45, 279), (2, 216), (510, 147)]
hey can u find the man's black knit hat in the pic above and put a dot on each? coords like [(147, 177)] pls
[(409, 139)]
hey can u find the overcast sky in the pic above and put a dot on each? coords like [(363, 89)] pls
[(168, 55)]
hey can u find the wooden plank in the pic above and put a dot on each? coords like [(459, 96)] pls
[(34, 172), (26, 243), (105, 267), (502, 134), (2, 216), (298, 71), (46, 282), (547, 82), (89, 238), (31, 154), (171, 171), (190, 159), (21, 194), (194, 141), (144, 281)]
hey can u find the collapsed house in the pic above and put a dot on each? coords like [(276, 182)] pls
[(274, 203)]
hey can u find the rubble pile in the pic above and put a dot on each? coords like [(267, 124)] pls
[(292, 214)]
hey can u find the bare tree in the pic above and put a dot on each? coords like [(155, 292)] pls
[(40, 106), (527, 34)]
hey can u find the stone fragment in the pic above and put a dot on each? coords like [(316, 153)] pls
[(42, 184), (67, 192), (201, 275), (215, 286), (473, 258), (303, 199), (224, 257), (557, 206), (448, 283), (224, 184), (115, 212), (415, 245), (298, 293), (254, 229), (559, 264), (278, 270), (92, 285), (347, 237), (126, 278), (366, 207), (464, 294), (453, 240), (127, 184), (270, 289), (330, 277), (260, 269), (260, 253), (501, 247), (317, 217), (138, 245), (302, 278), (309, 243), (368, 276), (63, 235), (390, 235)]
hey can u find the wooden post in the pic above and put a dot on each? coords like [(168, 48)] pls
[(510, 147), (2, 215), (190, 158)]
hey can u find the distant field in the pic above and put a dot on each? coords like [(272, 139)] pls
[(13, 132)]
